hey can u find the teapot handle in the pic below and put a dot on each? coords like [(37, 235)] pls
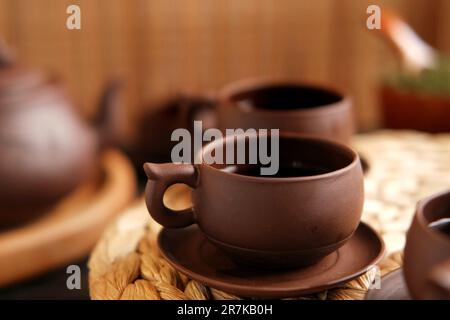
[(108, 122), (440, 278)]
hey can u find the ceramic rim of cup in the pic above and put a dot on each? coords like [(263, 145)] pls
[(296, 136), (226, 94), (424, 223)]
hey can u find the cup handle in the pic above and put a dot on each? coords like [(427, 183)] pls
[(161, 177), (440, 278)]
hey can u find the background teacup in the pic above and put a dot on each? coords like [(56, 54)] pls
[(253, 103), (293, 219), (427, 250), (286, 105)]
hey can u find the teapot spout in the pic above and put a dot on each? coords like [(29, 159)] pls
[(108, 122)]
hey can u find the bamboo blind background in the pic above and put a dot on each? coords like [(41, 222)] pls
[(162, 46)]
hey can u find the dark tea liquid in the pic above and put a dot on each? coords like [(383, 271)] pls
[(286, 97), (283, 171), (442, 225)]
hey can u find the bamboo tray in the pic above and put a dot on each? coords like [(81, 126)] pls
[(70, 229)]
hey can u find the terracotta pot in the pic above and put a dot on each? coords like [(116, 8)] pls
[(46, 149), (286, 105), (410, 110), (427, 251), (268, 221)]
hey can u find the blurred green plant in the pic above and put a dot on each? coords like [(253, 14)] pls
[(434, 81)]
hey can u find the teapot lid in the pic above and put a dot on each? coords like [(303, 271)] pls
[(13, 76)]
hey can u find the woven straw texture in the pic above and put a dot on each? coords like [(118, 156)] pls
[(405, 166)]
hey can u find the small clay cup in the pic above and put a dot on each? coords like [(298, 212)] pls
[(287, 105), (427, 250), (262, 221)]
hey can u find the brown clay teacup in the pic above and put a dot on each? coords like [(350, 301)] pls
[(427, 250), (286, 105), (295, 218)]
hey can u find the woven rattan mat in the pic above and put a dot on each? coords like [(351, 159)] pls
[(405, 166)]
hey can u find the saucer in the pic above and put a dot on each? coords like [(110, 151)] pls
[(189, 252), (393, 287)]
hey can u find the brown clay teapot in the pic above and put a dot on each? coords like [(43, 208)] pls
[(45, 148)]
